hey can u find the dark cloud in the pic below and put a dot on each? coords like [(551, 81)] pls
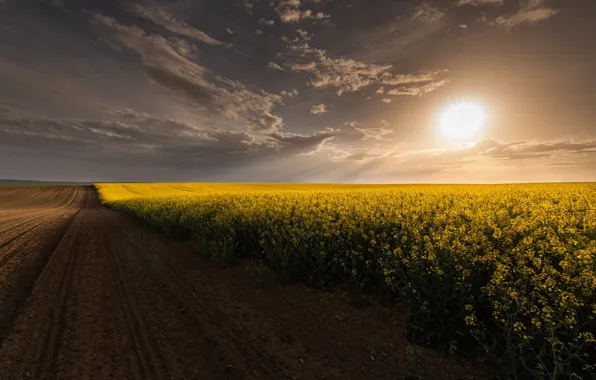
[(293, 11), (6, 109), (170, 23), (145, 138), (170, 68), (304, 143), (202, 94)]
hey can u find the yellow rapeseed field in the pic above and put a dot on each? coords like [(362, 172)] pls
[(511, 267)]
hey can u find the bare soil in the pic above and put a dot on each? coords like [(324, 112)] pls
[(88, 293)]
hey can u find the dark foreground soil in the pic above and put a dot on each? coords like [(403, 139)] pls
[(88, 293)]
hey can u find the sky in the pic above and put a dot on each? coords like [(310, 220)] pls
[(296, 90)]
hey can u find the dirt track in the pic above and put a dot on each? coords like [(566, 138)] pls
[(87, 293)]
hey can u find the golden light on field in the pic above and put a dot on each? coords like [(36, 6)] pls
[(462, 121)]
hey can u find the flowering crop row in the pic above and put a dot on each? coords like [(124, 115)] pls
[(512, 267)]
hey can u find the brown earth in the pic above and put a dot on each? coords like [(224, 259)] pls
[(88, 293)]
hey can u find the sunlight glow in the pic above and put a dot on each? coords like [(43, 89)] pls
[(462, 121)]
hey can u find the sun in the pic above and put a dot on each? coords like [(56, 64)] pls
[(462, 121)]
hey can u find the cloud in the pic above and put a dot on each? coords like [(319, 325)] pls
[(486, 159), (528, 150), (248, 6), (305, 144), (289, 12), (318, 109), (191, 114), (201, 92), (146, 139), (308, 14), (364, 156), (418, 90), (479, 2), (492, 151), (427, 13), (374, 133), (64, 135), (168, 22), (168, 65), (289, 94), (109, 133), (154, 49), (266, 22), (300, 45), (265, 123), (410, 78), (526, 15), (288, 15), (7, 109), (532, 12), (344, 74), (275, 66), (347, 75), (561, 164), (257, 108), (165, 63)]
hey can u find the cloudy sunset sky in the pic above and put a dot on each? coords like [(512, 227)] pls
[(296, 90)]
